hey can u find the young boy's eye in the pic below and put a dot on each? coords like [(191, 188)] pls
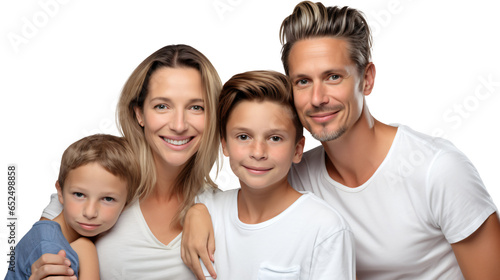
[(78, 194), (108, 199), (275, 138)]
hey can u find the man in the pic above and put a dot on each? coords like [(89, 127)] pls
[(417, 206)]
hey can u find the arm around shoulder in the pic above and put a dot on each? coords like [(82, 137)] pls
[(87, 256)]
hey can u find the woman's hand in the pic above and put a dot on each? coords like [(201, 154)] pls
[(198, 241), (51, 266)]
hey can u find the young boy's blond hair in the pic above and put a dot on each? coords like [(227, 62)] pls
[(111, 152)]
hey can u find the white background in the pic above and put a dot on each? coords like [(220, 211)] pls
[(63, 64)]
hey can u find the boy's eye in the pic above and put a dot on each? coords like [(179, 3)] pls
[(275, 138), (78, 194), (108, 199)]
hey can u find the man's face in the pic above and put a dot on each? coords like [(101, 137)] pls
[(326, 86)]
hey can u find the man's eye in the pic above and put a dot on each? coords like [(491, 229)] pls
[(334, 77), (302, 82)]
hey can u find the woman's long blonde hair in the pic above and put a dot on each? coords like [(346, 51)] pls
[(195, 174)]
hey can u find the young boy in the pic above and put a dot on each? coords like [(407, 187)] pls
[(266, 229), (97, 179)]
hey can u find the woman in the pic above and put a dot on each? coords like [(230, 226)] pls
[(167, 112)]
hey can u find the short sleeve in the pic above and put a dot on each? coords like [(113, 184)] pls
[(335, 258), (53, 209), (459, 201)]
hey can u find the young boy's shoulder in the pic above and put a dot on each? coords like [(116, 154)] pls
[(43, 237), (318, 217), (323, 213)]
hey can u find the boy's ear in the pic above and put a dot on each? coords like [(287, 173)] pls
[(59, 193), (138, 115), (299, 150), (224, 148)]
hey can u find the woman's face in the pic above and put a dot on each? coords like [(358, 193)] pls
[(173, 114)]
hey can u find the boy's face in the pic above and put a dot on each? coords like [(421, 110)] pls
[(260, 143), (92, 198)]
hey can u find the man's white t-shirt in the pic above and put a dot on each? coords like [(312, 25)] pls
[(309, 240), (425, 195)]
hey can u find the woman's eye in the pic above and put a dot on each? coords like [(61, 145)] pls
[(243, 137), (198, 108), (161, 106)]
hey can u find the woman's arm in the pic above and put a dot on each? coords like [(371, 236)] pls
[(52, 264), (87, 256), (479, 254), (198, 241)]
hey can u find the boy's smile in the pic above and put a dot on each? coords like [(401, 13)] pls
[(260, 143)]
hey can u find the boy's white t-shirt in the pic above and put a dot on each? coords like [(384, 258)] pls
[(425, 195), (309, 240)]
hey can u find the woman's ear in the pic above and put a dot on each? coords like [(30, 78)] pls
[(139, 116), (224, 147)]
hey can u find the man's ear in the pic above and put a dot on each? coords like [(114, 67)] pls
[(369, 78), (59, 193), (224, 147), (299, 150), (139, 116)]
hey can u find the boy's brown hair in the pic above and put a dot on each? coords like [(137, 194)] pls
[(257, 86), (111, 152)]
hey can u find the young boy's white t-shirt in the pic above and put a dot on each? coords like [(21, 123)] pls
[(309, 240)]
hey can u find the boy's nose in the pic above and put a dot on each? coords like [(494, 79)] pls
[(259, 150), (90, 210)]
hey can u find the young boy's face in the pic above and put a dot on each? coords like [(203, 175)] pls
[(260, 143), (92, 198)]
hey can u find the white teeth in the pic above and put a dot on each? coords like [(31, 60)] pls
[(176, 142)]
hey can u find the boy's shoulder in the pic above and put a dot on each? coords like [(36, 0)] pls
[(325, 216), (43, 237), (45, 230)]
